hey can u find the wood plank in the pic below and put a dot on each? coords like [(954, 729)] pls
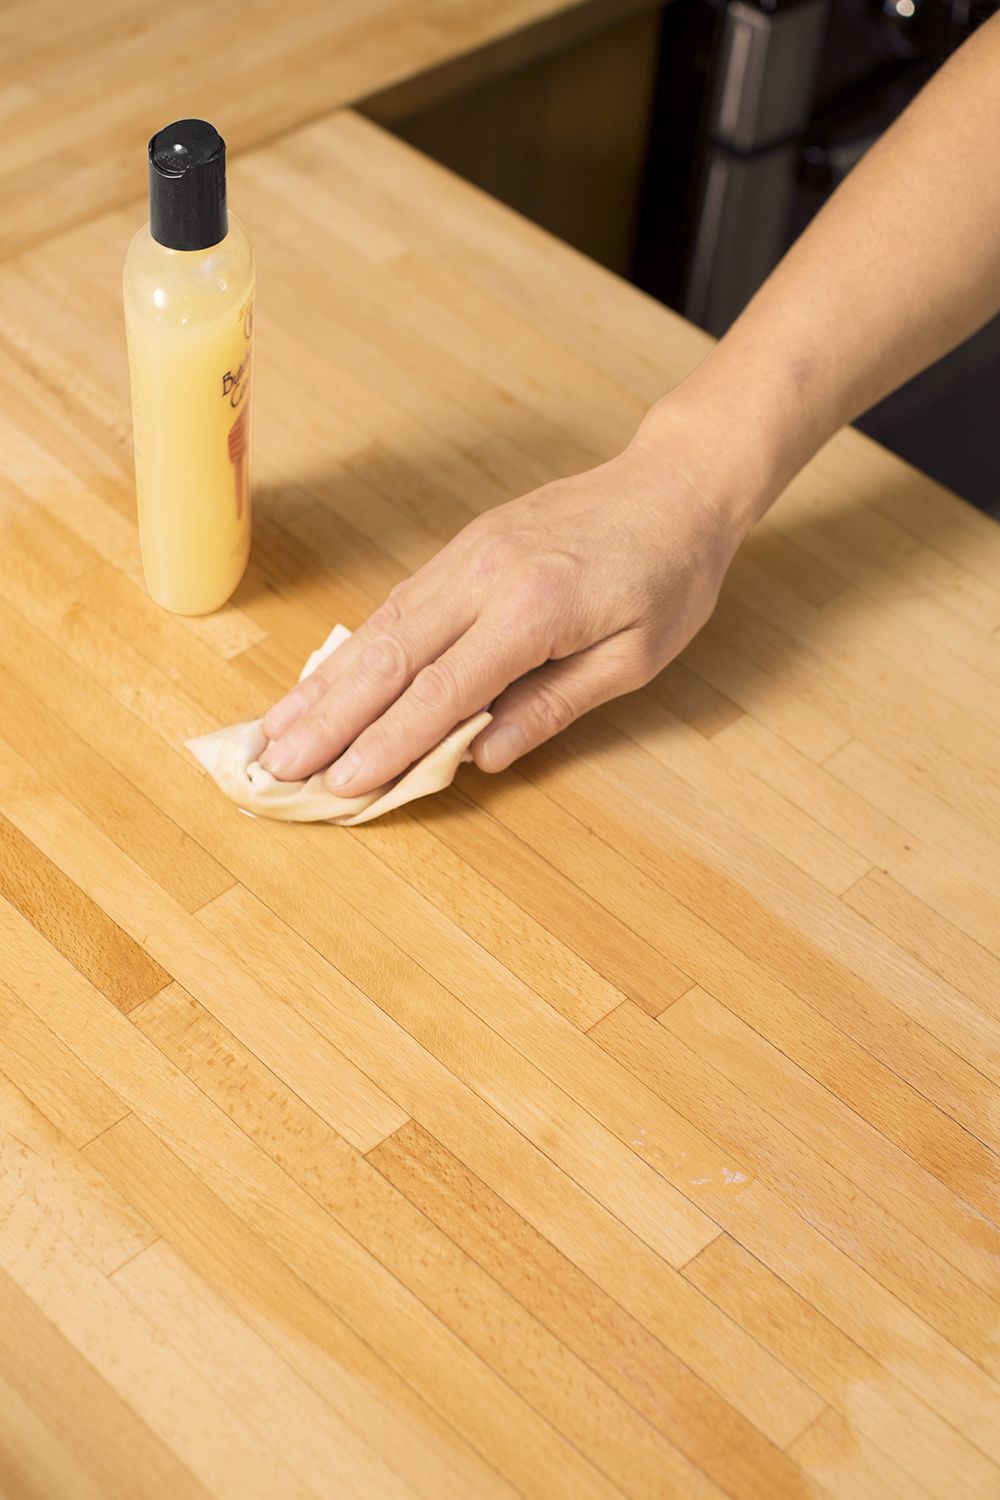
[(170, 856), (312, 1243), (34, 1463), (52, 1077), (552, 899), (81, 1206), (973, 970), (849, 1466), (663, 1217), (805, 940), (100, 1429), (73, 923)]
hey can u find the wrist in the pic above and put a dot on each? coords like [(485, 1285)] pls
[(740, 433)]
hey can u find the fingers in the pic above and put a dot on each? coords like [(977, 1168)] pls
[(547, 701), (488, 657), (329, 709), (299, 699)]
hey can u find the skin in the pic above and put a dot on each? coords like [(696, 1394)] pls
[(589, 586)]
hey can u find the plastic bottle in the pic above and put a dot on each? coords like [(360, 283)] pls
[(188, 288)]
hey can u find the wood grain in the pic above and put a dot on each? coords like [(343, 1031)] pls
[(73, 923), (253, 71), (624, 1125)]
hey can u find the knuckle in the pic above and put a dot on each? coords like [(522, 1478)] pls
[(387, 615), (435, 687), (553, 711), (492, 554), (294, 704), (314, 731), (642, 664), (386, 659)]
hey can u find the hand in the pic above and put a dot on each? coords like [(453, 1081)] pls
[(544, 607)]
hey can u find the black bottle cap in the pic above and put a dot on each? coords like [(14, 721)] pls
[(187, 186)]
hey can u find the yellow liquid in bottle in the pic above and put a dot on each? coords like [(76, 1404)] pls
[(189, 321)]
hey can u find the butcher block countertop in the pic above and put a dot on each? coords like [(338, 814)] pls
[(624, 1125), (82, 87)]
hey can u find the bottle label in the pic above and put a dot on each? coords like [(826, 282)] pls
[(235, 390)]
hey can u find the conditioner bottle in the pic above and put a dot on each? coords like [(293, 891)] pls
[(188, 288)]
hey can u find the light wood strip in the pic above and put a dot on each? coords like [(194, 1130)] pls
[(52, 1077), (523, 943), (735, 977), (100, 1429), (79, 1204), (973, 970), (780, 927), (944, 677), (165, 1388), (169, 855), (845, 944), (340, 1091), (849, 1466), (938, 867), (249, 1376), (34, 1463), (556, 903), (737, 795), (922, 743), (314, 1244), (867, 772)]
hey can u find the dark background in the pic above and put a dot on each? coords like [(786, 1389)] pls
[(616, 131)]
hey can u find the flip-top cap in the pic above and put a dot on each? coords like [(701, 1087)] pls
[(187, 186)]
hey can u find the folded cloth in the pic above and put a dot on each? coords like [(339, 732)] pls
[(230, 758)]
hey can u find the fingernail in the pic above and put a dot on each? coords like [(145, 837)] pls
[(275, 758), (344, 770), (503, 746)]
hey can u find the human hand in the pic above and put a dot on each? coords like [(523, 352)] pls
[(545, 606)]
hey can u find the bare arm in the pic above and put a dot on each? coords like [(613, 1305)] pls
[(589, 586), (900, 266)]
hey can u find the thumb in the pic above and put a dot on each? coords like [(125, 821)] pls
[(544, 702)]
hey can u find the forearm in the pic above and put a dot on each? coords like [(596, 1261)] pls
[(900, 266)]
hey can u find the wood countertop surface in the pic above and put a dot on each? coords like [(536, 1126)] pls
[(82, 87), (623, 1125)]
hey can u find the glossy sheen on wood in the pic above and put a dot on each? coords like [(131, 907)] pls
[(624, 1125)]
